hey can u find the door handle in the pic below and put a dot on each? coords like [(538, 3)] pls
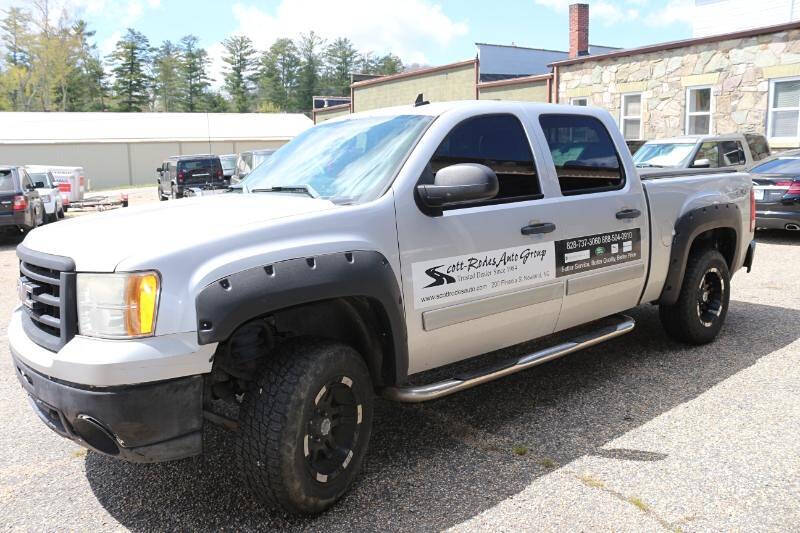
[(628, 213), (535, 229)]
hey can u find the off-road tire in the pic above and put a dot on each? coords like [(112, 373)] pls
[(277, 418), (684, 321), (51, 218), (60, 213)]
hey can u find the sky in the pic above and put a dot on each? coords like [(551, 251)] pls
[(431, 32)]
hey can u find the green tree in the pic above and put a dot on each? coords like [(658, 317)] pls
[(131, 61), (16, 39), (389, 64), (277, 75), (194, 75), (86, 85), (308, 47), (239, 72), (167, 81), (341, 59)]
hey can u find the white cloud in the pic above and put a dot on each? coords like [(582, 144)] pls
[(676, 11), (605, 12), (402, 28)]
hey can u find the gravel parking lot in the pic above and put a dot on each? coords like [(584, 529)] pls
[(638, 434)]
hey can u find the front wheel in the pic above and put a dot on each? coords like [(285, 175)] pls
[(305, 427), (698, 315)]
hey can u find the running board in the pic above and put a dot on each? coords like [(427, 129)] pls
[(623, 324)]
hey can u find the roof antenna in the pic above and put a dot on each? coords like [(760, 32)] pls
[(419, 101)]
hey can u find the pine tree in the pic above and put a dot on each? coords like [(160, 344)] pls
[(310, 65), (167, 81), (341, 59), (277, 75), (194, 75), (131, 60), (86, 87), (16, 39), (239, 73)]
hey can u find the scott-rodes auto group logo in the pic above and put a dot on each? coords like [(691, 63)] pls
[(452, 279)]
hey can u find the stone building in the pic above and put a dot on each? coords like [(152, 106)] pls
[(744, 81), (747, 82)]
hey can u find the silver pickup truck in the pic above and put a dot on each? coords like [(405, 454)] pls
[(367, 250)]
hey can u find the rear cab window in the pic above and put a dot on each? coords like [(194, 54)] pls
[(497, 141), (732, 154), (584, 155)]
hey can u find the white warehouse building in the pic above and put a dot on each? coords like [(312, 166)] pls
[(124, 149)]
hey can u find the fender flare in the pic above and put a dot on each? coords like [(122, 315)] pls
[(687, 228), (227, 303)]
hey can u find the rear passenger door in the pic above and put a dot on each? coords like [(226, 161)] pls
[(600, 214)]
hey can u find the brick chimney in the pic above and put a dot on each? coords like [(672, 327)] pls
[(578, 30)]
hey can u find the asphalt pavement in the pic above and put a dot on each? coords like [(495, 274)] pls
[(638, 434)]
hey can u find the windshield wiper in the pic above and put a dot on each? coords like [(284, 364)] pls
[(305, 189)]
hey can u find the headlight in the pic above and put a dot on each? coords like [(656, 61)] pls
[(118, 306), (45, 198)]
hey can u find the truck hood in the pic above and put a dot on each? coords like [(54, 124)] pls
[(98, 243)]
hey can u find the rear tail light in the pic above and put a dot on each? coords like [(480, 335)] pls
[(783, 184), (64, 187), (180, 175), (20, 203), (794, 188), (752, 210), (219, 173)]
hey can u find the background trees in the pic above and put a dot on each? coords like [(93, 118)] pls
[(50, 62)]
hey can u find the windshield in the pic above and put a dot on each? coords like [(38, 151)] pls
[(260, 157), (345, 161), (228, 162), (663, 154), (782, 165)]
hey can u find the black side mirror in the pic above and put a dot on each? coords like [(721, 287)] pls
[(159, 169), (459, 184)]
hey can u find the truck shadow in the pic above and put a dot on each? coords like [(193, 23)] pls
[(434, 465), (788, 238)]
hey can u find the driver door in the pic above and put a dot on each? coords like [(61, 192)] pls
[(473, 282)]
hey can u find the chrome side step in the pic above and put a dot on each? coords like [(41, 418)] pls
[(623, 324)]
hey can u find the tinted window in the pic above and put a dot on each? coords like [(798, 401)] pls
[(7, 182), (195, 164), (782, 165), (583, 153), (759, 148), (500, 143), (732, 153)]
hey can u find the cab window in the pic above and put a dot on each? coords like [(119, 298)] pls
[(732, 153), (708, 151), (500, 143), (583, 153)]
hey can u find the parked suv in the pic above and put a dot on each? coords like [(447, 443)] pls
[(735, 151), (21, 209), (48, 190), (179, 173)]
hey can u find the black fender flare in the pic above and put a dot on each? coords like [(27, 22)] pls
[(227, 303), (687, 228)]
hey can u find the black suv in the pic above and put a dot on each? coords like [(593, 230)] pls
[(21, 209), (179, 173)]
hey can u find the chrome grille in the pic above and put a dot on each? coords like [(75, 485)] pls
[(47, 292)]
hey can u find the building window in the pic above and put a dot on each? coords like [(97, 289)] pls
[(698, 110), (631, 116), (582, 101), (784, 108)]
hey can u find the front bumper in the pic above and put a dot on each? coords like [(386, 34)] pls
[(151, 422)]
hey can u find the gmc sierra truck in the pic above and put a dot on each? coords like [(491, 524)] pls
[(369, 249)]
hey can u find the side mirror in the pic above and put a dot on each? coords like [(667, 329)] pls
[(701, 163), (159, 169), (459, 184)]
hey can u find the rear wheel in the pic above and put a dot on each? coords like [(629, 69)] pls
[(60, 213), (304, 429), (161, 195), (698, 315)]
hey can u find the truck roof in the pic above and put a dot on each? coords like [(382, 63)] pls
[(698, 138)]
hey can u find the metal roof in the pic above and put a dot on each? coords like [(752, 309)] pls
[(500, 60), (52, 128)]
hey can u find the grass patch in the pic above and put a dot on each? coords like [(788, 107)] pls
[(79, 453), (589, 481), (638, 502), (519, 449), (547, 462)]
